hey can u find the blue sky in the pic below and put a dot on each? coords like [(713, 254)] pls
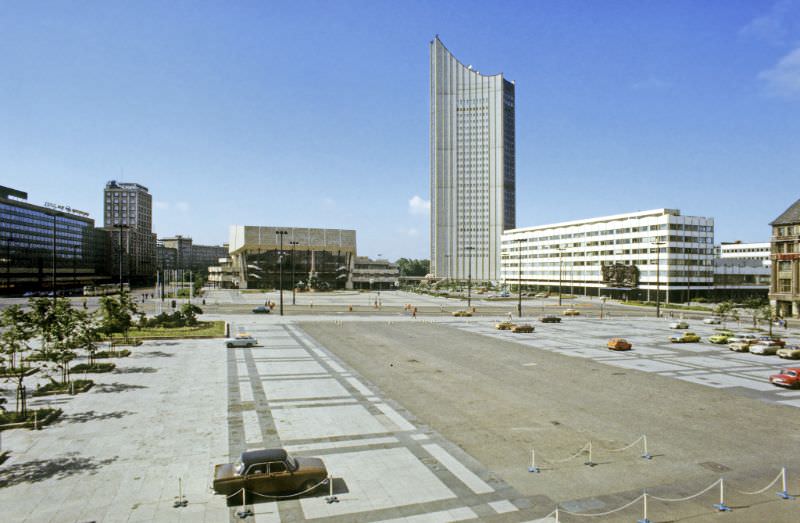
[(316, 113)]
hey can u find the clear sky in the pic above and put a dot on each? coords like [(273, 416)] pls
[(317, 113)]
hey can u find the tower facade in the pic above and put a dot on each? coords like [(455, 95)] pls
[(473, 174)]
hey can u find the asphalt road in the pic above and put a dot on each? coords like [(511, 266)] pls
[(498, 400)]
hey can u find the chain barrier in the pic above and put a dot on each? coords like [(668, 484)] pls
[(247, 492), (583, 449), (687, 498), (779, 476), (626, 447), (588, 446)]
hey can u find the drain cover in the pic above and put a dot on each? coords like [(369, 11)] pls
[(715, 467)]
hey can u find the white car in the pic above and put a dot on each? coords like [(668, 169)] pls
[(712, 321), (241, 340), (679, 325), (743, 338), (765, 349)]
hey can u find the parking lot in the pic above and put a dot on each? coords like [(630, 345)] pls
[(417, 420)]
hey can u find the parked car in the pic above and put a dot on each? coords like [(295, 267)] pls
[(550, 319), (679, 325), (787, 378), (619, 344), (269, 472), (712, 321), (261, 310), (686, 337), (743, 338), (763, 348), (739, 346), (522, 328), (790, 352), (572, 312), (772, 340), (719, 339), (241, 340), (504, 326), (462, 313), (542, 295)]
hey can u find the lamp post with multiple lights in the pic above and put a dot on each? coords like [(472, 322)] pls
[(281, 234), (294, 284), (519, 276), (469, 276), (658, 245)]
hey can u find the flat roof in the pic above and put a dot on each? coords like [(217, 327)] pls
[(600, 219)]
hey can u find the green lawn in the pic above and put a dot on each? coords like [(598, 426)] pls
[(215, 329)]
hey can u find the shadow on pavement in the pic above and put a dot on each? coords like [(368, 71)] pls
[(117, 387), (339, 487), (59, 468), (154, 354), (83, 417), (135, 370)]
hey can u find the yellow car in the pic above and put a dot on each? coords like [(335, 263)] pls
[(504, 326), (460, 314), (572, 312), (686, 337)]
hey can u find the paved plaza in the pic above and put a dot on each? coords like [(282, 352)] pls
[(174, 409)]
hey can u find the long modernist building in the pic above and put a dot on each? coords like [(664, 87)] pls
[(621, 255), (319, 258), (472, 167)]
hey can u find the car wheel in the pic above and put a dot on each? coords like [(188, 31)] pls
[(307, 486), (249, 345), (229, 345)]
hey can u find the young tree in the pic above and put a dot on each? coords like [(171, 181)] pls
[(16, 333), (117, 314), (723, 310), (754, 305), (190, 313), (766, 314), (87, 334)]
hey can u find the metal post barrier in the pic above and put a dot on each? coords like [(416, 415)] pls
[(644, 510), (646, 454), (244, 513), (533, 467), (590, 463), (331, 498), (721, 506), (783, 494)]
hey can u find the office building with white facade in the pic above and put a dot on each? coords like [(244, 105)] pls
[(472, 155), (624, 255)]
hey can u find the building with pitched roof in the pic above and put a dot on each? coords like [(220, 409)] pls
[(784, 292)]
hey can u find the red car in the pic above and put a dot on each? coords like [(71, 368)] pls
[(787, 378), (775, 341)]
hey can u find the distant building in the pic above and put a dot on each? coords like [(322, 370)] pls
[(35, 240), (128, 222), (222, 275), (166, 257), (617, 256), (473, 167), (188, 255), (741, 270), (320, 258), (375, 274), (784, 291), (746, 251)]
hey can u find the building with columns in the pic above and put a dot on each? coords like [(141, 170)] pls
[(784, 292)]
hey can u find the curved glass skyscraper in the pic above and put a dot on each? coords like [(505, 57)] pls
[(472, 167)]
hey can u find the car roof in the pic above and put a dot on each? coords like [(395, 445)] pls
[(263, 456)]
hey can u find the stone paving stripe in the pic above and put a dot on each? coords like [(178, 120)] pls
[(395, 417), (419, 437), (252, 428), (469, 478), (503, 506), (278, 404), (791, 403), (442, 516), (360, 387), (303, 447)]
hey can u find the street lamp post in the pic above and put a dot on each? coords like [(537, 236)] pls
[(658, 245), (469, 276), (120, 227), (294, 284), (54, 259), (560, 252), (281, 234), (379, 285), (519, 276)]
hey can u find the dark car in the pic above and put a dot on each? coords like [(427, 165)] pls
[(270, 472), (261, 310), (550, 319)]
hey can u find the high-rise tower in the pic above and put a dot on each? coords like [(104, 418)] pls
[(472, 167)]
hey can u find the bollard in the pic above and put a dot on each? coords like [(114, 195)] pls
[(646, 454), (721, 506), (35, 420), (783, 494), (590, 463), (331, 498), (533, 467), (644, 515)]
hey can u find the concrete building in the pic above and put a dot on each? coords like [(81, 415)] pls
[(375, 274), (128, 221), (222, 275), (191, 256), (473, 167), (745, 251), (741, 270), (624, 255), (38, 242), (320, 258), (784, 291)]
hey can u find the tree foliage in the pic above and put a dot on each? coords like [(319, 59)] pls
[(411, 267)]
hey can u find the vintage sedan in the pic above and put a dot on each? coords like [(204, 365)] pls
[(504, 326), (686, 337), (619, 344), (772, 340), (462, 314), (522, 328), (550, 319), (790, 352), (719, 339), (739, 346), (743, 338), (764, 348), (572, 312), (261, 310), (787, 378), (712, 321), (678, 325), (241, 340), (269, 472)]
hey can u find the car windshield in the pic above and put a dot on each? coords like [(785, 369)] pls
[(291, 462)]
